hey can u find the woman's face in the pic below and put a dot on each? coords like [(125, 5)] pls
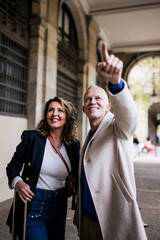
[(56, 116)]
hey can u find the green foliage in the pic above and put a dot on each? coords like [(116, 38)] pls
[(143, 77)]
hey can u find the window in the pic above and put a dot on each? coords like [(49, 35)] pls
[(14, 15), (66, 27), (67, 84), (67, 87), (13, 77)]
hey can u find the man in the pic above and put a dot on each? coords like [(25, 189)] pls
[(107, 195)]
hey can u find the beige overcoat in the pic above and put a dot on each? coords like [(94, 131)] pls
[(108, 164)]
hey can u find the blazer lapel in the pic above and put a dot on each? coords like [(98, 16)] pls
[(38, 154), (71, 155)]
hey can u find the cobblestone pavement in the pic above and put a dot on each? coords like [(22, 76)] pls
[(147, 174)]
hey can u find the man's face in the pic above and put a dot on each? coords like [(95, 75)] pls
[(95, 104)]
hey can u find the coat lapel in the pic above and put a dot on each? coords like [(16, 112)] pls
[(82, 154), (37, 159), (105, 120)]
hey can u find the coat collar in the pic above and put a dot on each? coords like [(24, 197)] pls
[(104, 121)]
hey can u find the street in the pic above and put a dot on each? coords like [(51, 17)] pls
[(147, 174)]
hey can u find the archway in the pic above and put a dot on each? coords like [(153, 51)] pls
[(144, 84)]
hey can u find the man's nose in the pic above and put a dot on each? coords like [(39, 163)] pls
[(93, 101)]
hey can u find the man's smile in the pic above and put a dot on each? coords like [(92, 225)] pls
[(93, 107)]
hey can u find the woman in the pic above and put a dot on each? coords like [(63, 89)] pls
[(42, 183)]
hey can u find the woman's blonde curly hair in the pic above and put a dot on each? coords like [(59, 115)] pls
[(70, 130)]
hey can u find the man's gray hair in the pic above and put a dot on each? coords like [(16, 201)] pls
[(96, 86)]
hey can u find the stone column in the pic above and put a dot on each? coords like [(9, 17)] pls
[(43, 58), (82, 83), (151, 130), (36, 71), (89, 69), (51, 51), (93, 32)]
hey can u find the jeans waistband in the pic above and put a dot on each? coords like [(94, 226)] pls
[(49, 193)]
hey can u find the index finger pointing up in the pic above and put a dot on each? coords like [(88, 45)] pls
[(105, 54)]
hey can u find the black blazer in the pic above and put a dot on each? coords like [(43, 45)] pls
[(28, 156)]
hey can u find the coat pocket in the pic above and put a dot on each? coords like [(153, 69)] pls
[(121, 186)]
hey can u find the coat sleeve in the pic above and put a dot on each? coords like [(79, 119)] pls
[(125, 112), (14, 167)]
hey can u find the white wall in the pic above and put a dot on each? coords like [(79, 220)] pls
[(10, 131)]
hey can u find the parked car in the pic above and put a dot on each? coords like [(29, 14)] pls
[(146, 147)]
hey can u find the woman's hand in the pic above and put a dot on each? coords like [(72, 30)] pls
[(24, 191)]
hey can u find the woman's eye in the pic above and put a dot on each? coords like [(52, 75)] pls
[(61, 110), (50, 109)]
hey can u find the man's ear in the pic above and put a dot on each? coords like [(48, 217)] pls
[(108, 107)]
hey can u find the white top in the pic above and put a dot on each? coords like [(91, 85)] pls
[(53, 171)]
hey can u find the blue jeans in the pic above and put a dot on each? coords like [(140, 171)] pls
[(47, 217)]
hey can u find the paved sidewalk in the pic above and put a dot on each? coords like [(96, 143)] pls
[(147, 174), (71, 231)]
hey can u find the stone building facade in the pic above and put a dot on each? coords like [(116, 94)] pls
[(47, 48)]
